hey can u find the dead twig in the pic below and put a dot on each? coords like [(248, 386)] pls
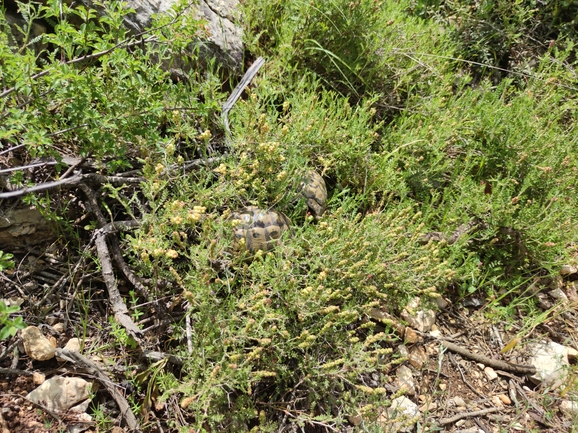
[(78, 359), (462, 415), (48, 185), (119, 308), (236, 93), (494, 363)]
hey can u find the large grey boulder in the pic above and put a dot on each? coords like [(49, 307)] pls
[(225, 35)]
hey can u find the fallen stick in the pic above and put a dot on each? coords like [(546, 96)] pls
[(494, 363), (462, 415)]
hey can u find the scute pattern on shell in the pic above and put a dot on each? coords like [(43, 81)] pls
[(315, 192), (260, 229)]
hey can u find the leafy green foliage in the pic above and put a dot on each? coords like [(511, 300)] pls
[(441, 183), (495, 36), (9, 327), (60, 100)]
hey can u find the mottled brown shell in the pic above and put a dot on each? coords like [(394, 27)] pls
[(315, 192), (258, 229)]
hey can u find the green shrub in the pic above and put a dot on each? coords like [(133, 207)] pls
[(60, 101)]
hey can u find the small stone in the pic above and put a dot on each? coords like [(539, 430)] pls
[(52, 341), (441, 302), (81, 407), (401, 408), (505, 399), (551, 362), (572, 353), (459, 402), (558, 294), (73, 345), (435, 333), (569, 408), (443, 386), (417, 357), (417, 318), (51, 320), (61, 393), (490, 373), (36, 345), (58, 327), (497, 402), (568, 270), (404, 380), (410, 336), (355, 419), (38, 378)]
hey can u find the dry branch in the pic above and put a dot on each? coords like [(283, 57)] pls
[(460, 416), (494, 363)]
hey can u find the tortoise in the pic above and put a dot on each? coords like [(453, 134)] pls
[(260, 229), (315, 192)]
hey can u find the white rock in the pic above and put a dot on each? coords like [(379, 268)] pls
[(36, 345), (59, 327), (401, 408), (459, 402), (84, 418), (572, 353), (490, 373), (441, 302), (73, 344), (422, 320), (417, 357), (569, 408), (404, 380), (558, 294), (61, 393), (551, 362), (568, 270)]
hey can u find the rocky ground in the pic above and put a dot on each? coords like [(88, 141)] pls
[(466, 371)]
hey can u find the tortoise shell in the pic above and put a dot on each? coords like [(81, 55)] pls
[(258, 229), (315, 192)]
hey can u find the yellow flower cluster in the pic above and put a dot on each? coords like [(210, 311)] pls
[(196, 214)]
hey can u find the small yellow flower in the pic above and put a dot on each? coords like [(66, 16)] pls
[(172, 254), (205, 136)]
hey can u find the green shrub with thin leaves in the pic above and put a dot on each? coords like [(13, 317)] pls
[(97, 91)]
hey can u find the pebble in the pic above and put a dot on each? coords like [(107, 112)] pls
[(417, 357), (490, 373), (569, 408), (36, 345)]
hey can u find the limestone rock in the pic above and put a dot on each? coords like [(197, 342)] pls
[(36, 345), (225, 36), (568, 270), (569, 408), (73, 344), (402, 410), (551, 362), (490, 373), (23, 227), (61, 393), (404, 380), (417, 318), (417, 357)]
